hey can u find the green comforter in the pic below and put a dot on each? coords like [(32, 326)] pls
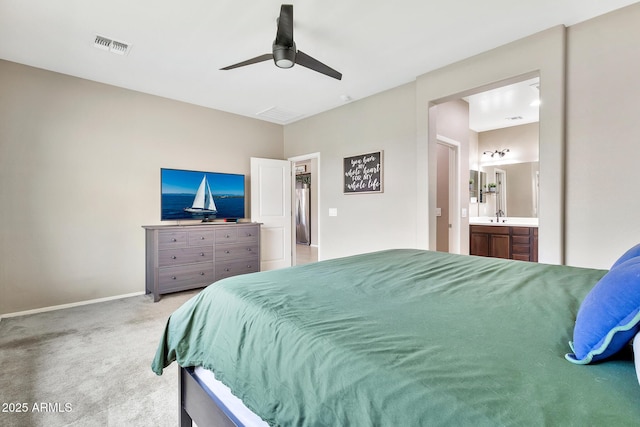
[(404, 338)]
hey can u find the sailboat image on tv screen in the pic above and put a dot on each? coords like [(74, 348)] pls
[(203, 202)]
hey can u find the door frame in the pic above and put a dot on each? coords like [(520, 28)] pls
[(502, 189), (316, 187), (454, 191)]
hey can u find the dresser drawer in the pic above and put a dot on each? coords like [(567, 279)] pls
[(520, 230), (520, 240), (172, 239), (201, 238), (521, 257), (175, 278), (178, 256), (520, 249), (224, 252), (226, 235), (182, 257), (248, 234), (233, 268)]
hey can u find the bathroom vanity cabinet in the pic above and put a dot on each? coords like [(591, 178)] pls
[(498, 241)]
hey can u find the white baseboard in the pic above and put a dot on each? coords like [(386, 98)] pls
[(73, 304)]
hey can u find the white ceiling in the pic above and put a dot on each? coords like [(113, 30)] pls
[(511, 105), (177, 48)]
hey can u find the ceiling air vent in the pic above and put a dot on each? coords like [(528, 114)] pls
[(113, 46), (278, 115)]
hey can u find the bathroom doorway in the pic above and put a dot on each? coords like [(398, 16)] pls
[(497, 127)]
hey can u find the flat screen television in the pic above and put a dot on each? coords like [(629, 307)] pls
[(206, 196)]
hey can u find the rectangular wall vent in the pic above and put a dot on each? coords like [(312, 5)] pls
[(113, 46), (278, 115)]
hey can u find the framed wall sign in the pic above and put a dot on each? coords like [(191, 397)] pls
[(363, 173)]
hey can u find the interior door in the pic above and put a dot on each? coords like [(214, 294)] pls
[(443, 223), (271, 206)]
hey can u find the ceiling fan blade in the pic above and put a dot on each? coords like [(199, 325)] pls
[(255, 60), (315, 65), (284, 35)]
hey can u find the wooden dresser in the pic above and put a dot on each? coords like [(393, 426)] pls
[(181, 257)]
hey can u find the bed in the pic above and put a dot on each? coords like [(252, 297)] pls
[(397, 337)]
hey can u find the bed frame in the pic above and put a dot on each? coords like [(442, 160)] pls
[(198, 404)]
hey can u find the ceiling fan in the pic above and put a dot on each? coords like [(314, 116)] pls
[(284, 52)]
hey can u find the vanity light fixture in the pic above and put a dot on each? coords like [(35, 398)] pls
[(499, 153)]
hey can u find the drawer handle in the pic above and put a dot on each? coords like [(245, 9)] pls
[(173, 277), (201, 253), (227, 252), (202, 273), (174, 257), (249, 234), (249, 266), (174, 240), (227, 236), (201, 237), (227, 269), (249, 249)]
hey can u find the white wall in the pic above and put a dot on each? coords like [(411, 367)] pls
[(80, 174), (365, 222), (603, 138)]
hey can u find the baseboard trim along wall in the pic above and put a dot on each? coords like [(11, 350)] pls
[(73, 304)]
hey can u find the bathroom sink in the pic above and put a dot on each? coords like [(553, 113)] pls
[(506, 221)]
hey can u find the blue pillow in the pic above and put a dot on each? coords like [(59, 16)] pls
[(631, 253), (609, 315)]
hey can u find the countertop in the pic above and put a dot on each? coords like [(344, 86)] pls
[(504, 221)]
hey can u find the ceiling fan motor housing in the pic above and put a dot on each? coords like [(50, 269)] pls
[(284, 56)]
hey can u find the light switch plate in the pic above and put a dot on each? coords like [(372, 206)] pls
[(333, 211)]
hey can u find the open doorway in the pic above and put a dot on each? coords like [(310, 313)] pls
[(306, 185), (497, 127)]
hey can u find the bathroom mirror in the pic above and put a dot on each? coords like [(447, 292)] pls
[(477, 182), (522, 188)]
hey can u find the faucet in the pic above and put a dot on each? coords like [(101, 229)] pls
[(499, 213)]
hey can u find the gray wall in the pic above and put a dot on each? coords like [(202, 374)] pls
[(521, 140), (80, 174), (541, 54), (79, 161), (590, 225), (452, 122), (365, 222)]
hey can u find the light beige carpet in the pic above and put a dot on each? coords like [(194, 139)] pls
[(88, 366)]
